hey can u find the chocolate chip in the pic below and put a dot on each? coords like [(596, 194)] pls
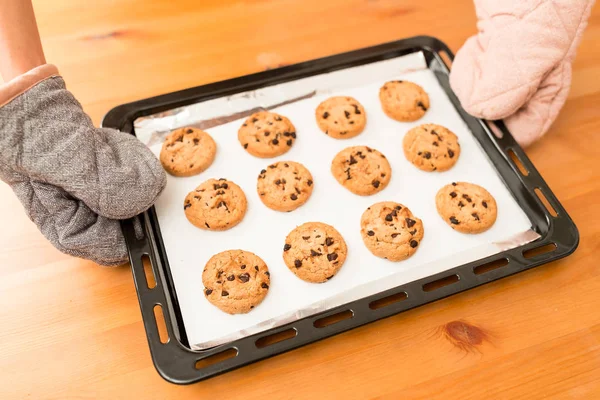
[(325, 115), (293, 135), (360, 154), (328, 241), (466, 197), (435, 144), (484, 204), (275, 141), (395, 234), (224, 293), (356, 110), (256, 267), (332, 257), (243, 266), (450, 153), (263, 171), (267, 273), (297, 190), (278, 182), (352, 160), (208, 291), (454, 220), (389, 218), (421, 106), (427, 155), (254, 119), (461, 204), (413, 232), (453, 183), (375, 183), (305, 237), (267, 133), (348, 177), (370, 233), (314, 253), (189, 131), (208, 226), (230, 278), (187, 205), (286, 134), (309, 182), (398, 208), (286, 247), (297, 263), (410, 222), (347, 114), (414, 243), (179, 139), (453, 194), (273, 166), (264, 285), (245, 277), (294, 196), (245, 145), (277, 118), (289, 142)]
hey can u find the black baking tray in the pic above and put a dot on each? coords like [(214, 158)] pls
[(172, 356)]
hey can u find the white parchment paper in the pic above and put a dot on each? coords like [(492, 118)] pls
[(263, 231)]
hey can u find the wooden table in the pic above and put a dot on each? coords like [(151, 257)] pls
[(71, 329)]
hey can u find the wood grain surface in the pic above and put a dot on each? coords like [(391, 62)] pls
[(71, 329)]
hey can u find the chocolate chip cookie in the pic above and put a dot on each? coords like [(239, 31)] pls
[(391, 231), (431, 147), (341, 117), (314, 251), (284, 186), (235, 281), (187, 152), (466, 207), (362, 170), (215, 205), (266, 134), (403, 100)]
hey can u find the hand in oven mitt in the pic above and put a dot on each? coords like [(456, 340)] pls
[(518, 67), (75, 181)]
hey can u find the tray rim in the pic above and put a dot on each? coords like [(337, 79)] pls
[(176, 363)]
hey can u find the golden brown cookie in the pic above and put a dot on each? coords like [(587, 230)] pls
[(235, 281), (284, 186), (362, 170), (466, 207), (314, 251), (266, 134), (341, 117), (187, 152), (403, 100), (215, 205), (391, 231), (431, 147)]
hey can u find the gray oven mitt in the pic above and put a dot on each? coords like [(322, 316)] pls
[(74, 180)]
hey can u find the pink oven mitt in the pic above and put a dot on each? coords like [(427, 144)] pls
[(518, 67)]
